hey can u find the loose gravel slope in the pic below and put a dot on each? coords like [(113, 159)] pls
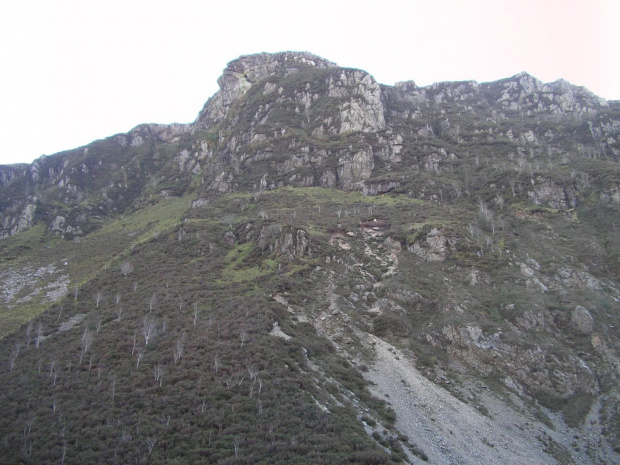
[(446, 429)]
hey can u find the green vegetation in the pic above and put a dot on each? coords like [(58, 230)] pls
[(77, 262), (574, 409), (249, 392)]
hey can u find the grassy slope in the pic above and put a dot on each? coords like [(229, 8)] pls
[(199, 413), (190, 268), (79, 260)]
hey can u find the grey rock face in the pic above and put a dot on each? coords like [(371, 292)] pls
[(354, 169), (283, 240), (582, 320), (293, 243), (223, 182), (523, 92), (296, 119), (362, 109), (378, 188), (552, 195), (305, 93), (17, 219), (62, 227), (435, 246), (532, 367), (10, 172), (242, 73)]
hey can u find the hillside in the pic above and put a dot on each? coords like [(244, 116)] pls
[(321, 269)]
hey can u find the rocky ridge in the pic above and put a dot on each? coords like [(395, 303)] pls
[(293, 92)]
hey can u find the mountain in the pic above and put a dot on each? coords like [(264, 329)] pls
[(321, 269)]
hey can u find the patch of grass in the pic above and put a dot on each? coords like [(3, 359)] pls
[(574, 409), (235, 270), (22, 247)]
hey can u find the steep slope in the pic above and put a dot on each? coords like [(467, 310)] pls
[(261, 284)]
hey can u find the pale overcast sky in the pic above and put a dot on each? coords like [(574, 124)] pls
[(72, 71)]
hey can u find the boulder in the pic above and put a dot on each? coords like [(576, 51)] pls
[(582, 320)]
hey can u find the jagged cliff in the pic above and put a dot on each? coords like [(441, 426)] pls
[(294, 119), (466, 230)]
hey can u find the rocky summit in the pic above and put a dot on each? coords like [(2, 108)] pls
[(321, 269)]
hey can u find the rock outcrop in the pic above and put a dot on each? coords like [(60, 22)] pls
[(295, 119), (582, 320), (434, 244), (17, 218), (533, 369), (245, 71)]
